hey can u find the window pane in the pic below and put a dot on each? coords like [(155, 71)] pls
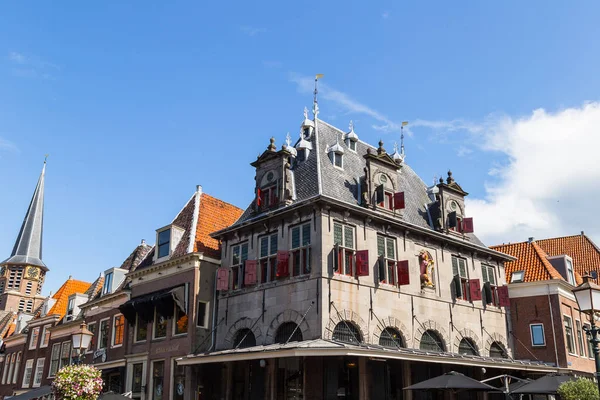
[(454, 266), (138, 371), (264, 246), (273, 244), (181, 321), (157, 380), (337, 233), (244, 252), (160, 326), (537, 335), (306, 235), (295, 237), (463, 267), (391, 249), (164, 236), (235, 260), (349, 237), (380, 246), (484, 274), (491, 275)]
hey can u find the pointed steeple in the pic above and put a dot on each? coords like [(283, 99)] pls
[(28, 247)]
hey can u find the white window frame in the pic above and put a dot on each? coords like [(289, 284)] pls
[(17, 363), (58, 346), (543, 334), (387, 259), (206, 314), (43, 335), (344, 250), (150, 386), (114, 331), (574, 346), (169, 243), (27, 380), (34, 339), (5, 368), (240, 265), (464, 280), (174, 324), (69, 344), (154, 327), (11, 372), (135, 330), (301, 248), (108, 279), (270, 258), (351, 143), (129, 376), (100, 334), (36, 373), (521, 279), (90, 349), (570, 270), (580, 337)]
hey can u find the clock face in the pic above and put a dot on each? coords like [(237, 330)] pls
[(382, 179), (453, 205), (33, 272)]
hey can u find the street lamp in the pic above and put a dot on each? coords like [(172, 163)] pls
[(81, 340), (588, 300)]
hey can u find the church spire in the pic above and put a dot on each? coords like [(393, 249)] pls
[(28, 247)]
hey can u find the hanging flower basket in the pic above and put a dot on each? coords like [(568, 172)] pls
[(77, 382)]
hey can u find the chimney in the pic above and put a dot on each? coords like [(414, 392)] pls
[(531, 239), (582, 233), (143, 242)]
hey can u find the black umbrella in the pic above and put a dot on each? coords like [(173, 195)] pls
[(545, 385), (113, 396), (451, 381), (34, 393)]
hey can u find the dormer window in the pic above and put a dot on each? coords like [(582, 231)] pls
[(338, 160), (351, 145), (336, 154), (164, 242), (267, 193), (70, 308), (570, 273), (108, 280), (351, 138), (384, 194)]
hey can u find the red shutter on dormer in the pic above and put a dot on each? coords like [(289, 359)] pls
[(362, 263), (467, 225), (475, 289), (250, 272), (258, 197), (403, 273), (283, 257), (223, 279), (503, 300), (399, 201)]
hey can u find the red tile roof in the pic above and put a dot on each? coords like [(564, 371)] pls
[(531, 259), (213, 215), (71, 286), (585, 254)]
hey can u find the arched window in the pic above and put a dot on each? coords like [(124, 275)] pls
[(390, 337), (431, 341), (288, 332), (244, 338), (467, 347), (347, 332), (497, 351)]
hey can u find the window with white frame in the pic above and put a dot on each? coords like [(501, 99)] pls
[(300, 249), (164, 243), (65, 354), (517, 276), (54, 359), (17, 366), (569, 334), (268, 257), (386, 251), (108, 278), (92, 328), (488, 274), (118, 330), (33, 340), (5, 368), (11, 372), (239, 255), (537, 335), (459, 268), (103, 334), (45, 336), (579, 337), (202, 320), (590, 346), (70, 308), (343, 239), (27, 373), (570, 273), (39, 370)]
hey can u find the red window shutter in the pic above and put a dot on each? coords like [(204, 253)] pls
[(223, 279), (475, 289), (283, 257), (250, 272), (403, 273), (399, 201), (362, 263), (503, 299), (258, 197), (467, 225)]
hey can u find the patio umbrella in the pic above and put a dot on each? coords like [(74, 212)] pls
[(113, 396), (545, 385), (451, 381)]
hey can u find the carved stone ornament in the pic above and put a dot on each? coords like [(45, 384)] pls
[(426, 269)]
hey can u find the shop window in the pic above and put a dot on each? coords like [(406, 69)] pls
[(300, 249), (343, 238), (467, 347), (178, 381), (347, 332), (244, 338), (391, 337), (290, 378), (136, 382), (431, 341), (158, 378), (288, 332), (268, 257)]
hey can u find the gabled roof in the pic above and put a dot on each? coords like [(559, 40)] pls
[(28, 246), (532, 257), (71, 286), (584, 252)]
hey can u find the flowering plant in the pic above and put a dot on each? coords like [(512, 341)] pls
[(77, 382)]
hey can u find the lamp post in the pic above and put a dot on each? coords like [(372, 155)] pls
[(81, 341), (588, 299)]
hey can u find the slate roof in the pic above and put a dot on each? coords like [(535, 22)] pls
[(318, 176), (28, 246), (71, 286), (532, 257)]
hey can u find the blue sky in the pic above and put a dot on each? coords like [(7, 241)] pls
[(138, 102)]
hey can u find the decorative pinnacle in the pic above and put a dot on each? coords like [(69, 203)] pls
[(351, 126), (305, 113), (288, 139), (380, 150), (272, 146)]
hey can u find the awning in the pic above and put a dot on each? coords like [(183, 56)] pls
[(34, 393), (328, 348), (163, 300)]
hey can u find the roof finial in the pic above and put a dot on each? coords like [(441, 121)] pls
[(288, 139), (404, 123), (351, 126), (315, 102), (450, 179), (272, 146), (46, 158), (305, 113)]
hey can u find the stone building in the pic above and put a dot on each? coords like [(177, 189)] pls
[(546, 322), (348, 277)]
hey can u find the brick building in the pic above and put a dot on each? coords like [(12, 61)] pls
[(348, 276), (546, 324)]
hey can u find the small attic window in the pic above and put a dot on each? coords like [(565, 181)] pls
[(517, 276), (338, 160), (108, 279), (351, 145), (164, 241)]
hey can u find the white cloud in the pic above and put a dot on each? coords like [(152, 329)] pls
[(252, 30), (463, 151), (6, 145), (17, 57), (549, 183)]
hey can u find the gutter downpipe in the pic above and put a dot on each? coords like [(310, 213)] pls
[(553, 330), (214, 319)]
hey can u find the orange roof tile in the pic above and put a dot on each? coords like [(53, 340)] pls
[(213, 215), (10, 330), (531, 259), (71, 286)]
